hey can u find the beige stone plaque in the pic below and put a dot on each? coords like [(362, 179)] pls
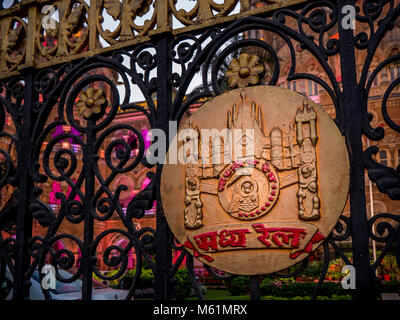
[(262, 194)]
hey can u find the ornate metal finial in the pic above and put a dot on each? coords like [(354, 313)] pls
[(244, 70)]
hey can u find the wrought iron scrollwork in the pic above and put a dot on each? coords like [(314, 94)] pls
[(387, 179), (91, 197), (385, 228)]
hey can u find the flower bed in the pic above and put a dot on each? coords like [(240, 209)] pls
[(290, 288)]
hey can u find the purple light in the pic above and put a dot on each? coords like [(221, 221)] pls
[(146, 137), (59, 130)]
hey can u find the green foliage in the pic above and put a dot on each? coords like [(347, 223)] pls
[(182, 285), (389, 266), (289, 288), (339, 297), (313, 269), (111, 283), (389, 287), (238, 285), (145, 280)]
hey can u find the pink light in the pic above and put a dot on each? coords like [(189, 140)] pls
[(316, 99), (145, 183), (52, 195)]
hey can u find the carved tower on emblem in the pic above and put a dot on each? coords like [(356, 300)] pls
[(246, 119), (193, 213), (308, 199)]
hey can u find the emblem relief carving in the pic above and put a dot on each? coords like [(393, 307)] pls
[(265, 189), (246, 182)]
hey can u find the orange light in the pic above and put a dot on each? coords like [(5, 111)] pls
[(335, 36)]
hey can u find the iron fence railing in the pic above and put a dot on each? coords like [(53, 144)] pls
[(158, 59)]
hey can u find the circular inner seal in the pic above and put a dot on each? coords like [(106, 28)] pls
[(261, 180), (248, 189)]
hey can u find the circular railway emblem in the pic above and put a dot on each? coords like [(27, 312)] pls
[(264, 179)]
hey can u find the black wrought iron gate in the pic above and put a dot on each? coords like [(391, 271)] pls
[(52, 75)]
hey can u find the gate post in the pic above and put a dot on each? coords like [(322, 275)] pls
[(352, 102), (25, 187), (162, 285)]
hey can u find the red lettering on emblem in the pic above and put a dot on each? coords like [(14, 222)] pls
[(286, 233), (188, 245), (207, 240), (280, 236), (315, 239), (261, 229), (223, 238), (233, 238)]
